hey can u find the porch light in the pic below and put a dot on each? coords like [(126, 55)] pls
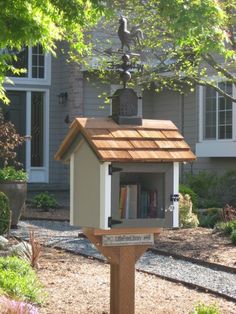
[(62, 97)]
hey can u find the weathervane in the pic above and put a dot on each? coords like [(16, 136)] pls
[(127, 38)]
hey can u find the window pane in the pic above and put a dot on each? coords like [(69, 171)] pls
[(210, 104), (228, 133), (41, 72), (228, 88), (210, 92), (210, 119), (38, 62), (228, 117), (41, 61), (222, 105), (221, 132), (34, 72), (37, 126), (34, 60), (20, 63), (210, 133)]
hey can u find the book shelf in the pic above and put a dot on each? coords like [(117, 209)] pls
[(141, 196)]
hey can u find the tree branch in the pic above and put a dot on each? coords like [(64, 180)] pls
[(216, 66)]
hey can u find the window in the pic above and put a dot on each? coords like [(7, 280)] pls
[(217, 110), (21, 62), (37, 129), (36, 63)]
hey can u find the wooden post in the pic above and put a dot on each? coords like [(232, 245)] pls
[(122, 261)]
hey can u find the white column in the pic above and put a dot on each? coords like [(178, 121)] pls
[(176, 191)]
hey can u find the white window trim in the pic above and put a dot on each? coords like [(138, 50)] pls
[(215, 147), (35, 81), (36, 174)]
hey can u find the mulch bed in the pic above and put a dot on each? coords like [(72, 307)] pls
[(199, 243)]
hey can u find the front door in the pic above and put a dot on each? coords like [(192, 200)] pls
[(16, 113)]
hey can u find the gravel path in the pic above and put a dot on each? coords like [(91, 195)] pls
[(61, 235)]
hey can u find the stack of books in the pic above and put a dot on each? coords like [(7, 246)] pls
[(137, 203)]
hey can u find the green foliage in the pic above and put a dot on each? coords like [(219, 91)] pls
[(28, 23), (233, 236), (4, 213), (187, 218), (211, 217), (227, 188), (183, 189), (204, 184), (18, 280), (205, 309), (12, 174), (45, 200), (192, 37), (228, 228), (212, 189)]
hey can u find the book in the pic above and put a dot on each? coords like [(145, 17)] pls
[(148, 208), (133, 201), (136, 203), (144, 204), (129, 201), (122, 204)]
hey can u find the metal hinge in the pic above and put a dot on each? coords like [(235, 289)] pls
[(112, 169), (174, 197), (113, 222)]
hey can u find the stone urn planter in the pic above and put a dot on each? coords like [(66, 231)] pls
[(13, 183), (16, 192)]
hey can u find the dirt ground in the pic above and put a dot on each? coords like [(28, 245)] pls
[(77, 285), (200, 243)]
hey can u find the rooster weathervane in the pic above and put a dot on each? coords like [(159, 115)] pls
[(127, 37)]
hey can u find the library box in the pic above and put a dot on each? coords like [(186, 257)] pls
[(124, 176)]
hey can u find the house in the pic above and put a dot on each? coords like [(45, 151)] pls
[(53, 92)]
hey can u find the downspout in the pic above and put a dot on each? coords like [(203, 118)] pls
[(182, 105)]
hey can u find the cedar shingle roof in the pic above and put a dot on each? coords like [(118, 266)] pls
[(153, 141)]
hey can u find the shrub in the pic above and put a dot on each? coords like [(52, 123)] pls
[(212, 216), (5, 213), (187, 218), (212, 189), (205, 309), (11, 174), (9, 142), (226, 227), (19, 280), (204, 184), (227, 188), (233, 236), (45, 200), (183, 189)]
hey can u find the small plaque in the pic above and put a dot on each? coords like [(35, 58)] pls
[(127, 239)]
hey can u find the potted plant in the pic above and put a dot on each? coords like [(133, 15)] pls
[(13, 179)]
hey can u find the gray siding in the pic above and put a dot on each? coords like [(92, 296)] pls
[(94, 104), (58, 173)]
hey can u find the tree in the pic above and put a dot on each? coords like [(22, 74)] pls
[(186, 42), (45, 22)]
